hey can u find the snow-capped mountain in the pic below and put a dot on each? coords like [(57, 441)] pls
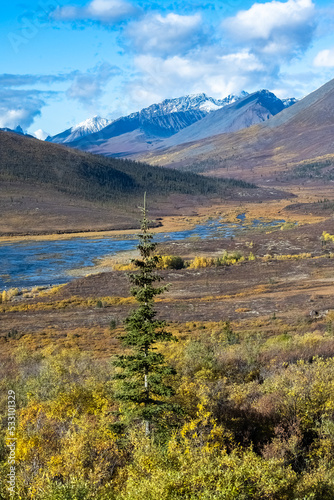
[(200, 102), (163, 119), (147, 128), (250, 110), (40, 134), (185, 119), (89, 126)]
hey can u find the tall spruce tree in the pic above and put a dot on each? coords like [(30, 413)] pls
[(144, 371)]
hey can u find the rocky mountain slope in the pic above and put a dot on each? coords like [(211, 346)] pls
[(250, 110)]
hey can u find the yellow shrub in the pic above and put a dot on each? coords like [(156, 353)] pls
[(297, 256), (327, 237), (53, 290), (125, 267), (12, 292), (226, 259), (229, 258), (202, 262)]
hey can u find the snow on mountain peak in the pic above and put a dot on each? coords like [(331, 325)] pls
[(40, 134), (201, 102), (91, 125)]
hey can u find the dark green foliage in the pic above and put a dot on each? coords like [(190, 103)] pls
[(113, 324), (143, 372), (13, 334), (231, 336), (94, 177), (315, 170)]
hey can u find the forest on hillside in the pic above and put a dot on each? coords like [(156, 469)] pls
[(96, 178)]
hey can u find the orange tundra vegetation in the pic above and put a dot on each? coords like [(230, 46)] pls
[(257, 400), (257, 419)]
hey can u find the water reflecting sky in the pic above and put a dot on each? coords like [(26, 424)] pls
[(30, 263)]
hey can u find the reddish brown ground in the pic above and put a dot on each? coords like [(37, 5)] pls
[(248, 292)]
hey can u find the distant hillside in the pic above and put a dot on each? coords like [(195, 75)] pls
[(94, 177)]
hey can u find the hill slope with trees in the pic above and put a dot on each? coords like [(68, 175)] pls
[(93, 177)]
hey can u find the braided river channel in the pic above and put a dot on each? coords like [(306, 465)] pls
[(31, 263)]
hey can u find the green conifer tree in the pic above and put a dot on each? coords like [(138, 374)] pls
[(144, 371)]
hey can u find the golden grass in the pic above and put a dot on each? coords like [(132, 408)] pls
[(71, 302)]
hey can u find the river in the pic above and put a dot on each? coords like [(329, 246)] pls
[(29, 263)]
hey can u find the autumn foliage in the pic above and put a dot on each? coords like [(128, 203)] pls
[(258, 420)]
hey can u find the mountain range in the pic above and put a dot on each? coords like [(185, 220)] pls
[(296, 143), (242, 113), (171, 122)]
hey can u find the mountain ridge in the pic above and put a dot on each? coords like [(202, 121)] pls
[(146, 127), (300, 133), (155, 127), (200, 102), (250, 110)]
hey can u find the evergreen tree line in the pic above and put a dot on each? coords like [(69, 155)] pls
[(98, 178)]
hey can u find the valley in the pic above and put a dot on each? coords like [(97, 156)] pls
[(245, 242), (167, 250), (290, 273)]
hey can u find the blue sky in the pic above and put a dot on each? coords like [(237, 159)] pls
[(63, 61)]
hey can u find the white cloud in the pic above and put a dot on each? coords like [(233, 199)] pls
[(22, 107), (244, 61), (19, 107), (325, 58), (179, 54), (274, 28), (105, 11), (88, 87), (109, 9), (12, 118), (203, 71), (166, 35), (261, 20)]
